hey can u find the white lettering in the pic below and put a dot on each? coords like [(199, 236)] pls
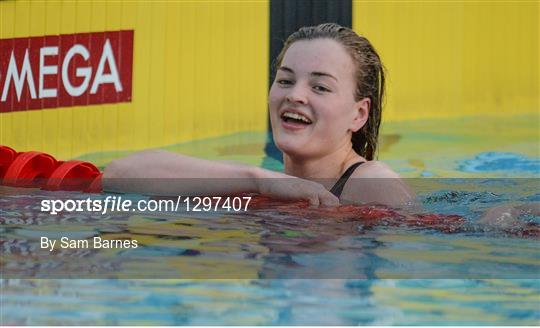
[(47, 243), (18, 80), (101, 78), (85, 72), (45, 205), (46, 70), (53, 75)]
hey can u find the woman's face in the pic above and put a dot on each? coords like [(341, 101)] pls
[(312, 107)]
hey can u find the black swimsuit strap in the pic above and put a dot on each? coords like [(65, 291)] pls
[(337, 189)]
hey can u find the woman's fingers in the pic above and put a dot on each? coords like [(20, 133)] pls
[(328, 199), (295, 189), (323, 197), (314, 201)]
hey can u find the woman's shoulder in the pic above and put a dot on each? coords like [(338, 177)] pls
[(374, 169), (376, 182)]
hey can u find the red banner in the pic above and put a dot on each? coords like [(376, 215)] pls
[(65, 70)]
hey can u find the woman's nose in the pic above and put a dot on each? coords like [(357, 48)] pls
[(297, 94)]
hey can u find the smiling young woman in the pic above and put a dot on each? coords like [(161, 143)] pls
[(325, 109)]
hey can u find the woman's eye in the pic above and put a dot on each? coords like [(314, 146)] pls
[(320, 88), (284, 82)]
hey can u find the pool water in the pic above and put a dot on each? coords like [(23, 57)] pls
[(284, 264)]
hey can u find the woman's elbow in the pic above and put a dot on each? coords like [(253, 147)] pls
[(130, 166), (121, 173), (115, 169), (115, 175)]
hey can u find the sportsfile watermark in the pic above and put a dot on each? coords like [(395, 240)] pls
[(111, 204), (457, 229)]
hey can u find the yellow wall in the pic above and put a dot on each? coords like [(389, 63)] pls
[(199, 70), (455, 58)]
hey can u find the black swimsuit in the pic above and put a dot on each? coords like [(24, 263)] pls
[(337, 189)]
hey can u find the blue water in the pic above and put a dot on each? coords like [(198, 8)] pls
[(468, 277), (500, 162), (271, 302)]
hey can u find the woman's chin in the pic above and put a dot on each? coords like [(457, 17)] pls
[(291, 147)]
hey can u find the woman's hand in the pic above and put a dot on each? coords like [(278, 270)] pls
[(282, 186)]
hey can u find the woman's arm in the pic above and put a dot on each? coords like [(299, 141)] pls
[(160, 172), (376, 183), (166, 173)]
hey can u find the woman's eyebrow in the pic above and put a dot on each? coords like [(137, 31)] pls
[(290, 70), (324, 74), (286, 69)]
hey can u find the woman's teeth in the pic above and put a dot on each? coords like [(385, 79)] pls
[(296, 117)]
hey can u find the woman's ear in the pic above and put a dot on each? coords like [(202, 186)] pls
[(362, 108)]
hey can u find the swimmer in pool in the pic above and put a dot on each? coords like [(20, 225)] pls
[(325, 108)]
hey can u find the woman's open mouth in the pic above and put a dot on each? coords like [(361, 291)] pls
[(294, 121)]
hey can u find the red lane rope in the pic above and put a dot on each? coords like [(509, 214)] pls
[(35, 169)]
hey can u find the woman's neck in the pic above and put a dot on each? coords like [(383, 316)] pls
[(329, 166)]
